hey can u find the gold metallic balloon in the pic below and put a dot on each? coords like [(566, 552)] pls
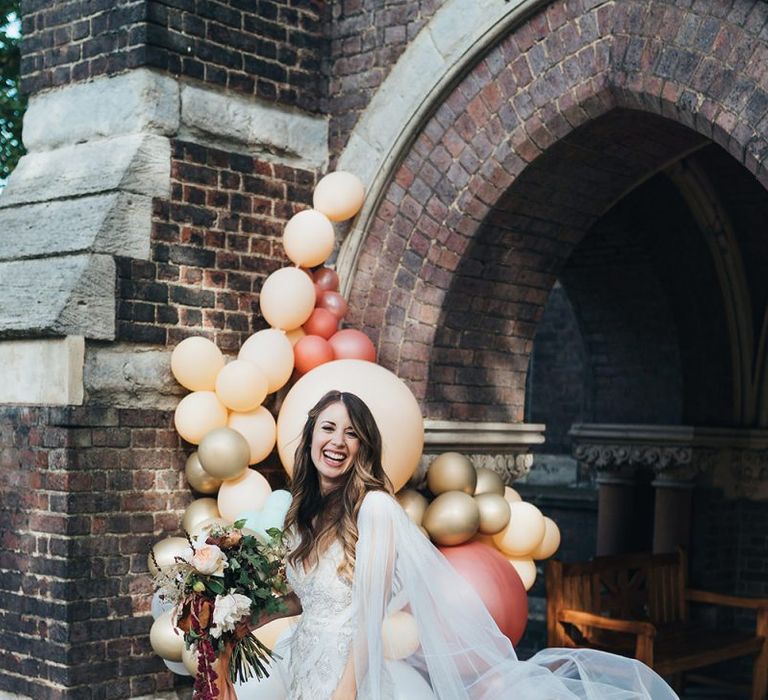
[(451, 471), (165, 552), (224, 453), (199, 510), (199, 479), (452, 518), (189, 659), (494, 513), (205, 526), (488, 481), (166, 639), (413, 503)]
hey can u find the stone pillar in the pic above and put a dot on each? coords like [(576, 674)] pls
[(615, 511), (673, 497)]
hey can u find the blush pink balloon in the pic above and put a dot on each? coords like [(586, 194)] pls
[(496, 582), (334, 302), (326, 279), (351, 344), (322, 322), (310, 352)]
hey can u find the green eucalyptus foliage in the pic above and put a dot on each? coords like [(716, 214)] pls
[(12, 102)]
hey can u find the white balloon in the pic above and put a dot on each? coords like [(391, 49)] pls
[(159, 605), (409, 683), (177, 667)]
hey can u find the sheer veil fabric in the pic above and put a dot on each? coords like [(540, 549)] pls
[(462, 654)]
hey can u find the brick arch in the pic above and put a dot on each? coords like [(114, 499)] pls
[(563, 69)]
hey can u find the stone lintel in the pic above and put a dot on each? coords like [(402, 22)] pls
[(42, 372)]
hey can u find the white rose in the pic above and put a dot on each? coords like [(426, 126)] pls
[(228, 610)]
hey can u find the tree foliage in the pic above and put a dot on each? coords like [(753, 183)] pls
[(12, 102)]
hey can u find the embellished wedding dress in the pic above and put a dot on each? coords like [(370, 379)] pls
[(462, 654)]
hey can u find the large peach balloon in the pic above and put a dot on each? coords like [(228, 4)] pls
[(287, 298), (524, 532), (166, 639), (326, 279), (308, 238), (310, 352), (351, 344), (241, 386), (271, 351), (258, 428), (334, 302), (249, 491), (339, 195), (496, 582), (548, 546), (392, 404), (322, 322), (197, 414), (195, 362)]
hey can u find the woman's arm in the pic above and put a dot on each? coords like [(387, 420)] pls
[(291, 607), (347, 687)]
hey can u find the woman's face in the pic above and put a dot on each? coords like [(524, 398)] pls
[(334, 445)]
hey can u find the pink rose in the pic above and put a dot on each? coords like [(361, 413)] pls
[(209, 560)]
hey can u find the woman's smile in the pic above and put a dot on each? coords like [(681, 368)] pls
[(334, 445)]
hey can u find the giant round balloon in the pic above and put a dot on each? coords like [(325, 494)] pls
[(496, 582), (392, 404)]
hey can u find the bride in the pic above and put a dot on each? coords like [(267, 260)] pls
[(355, 557)]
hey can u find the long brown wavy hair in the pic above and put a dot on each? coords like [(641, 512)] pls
[(320, 519)]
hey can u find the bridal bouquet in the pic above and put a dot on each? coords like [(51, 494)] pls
[(223, 581)]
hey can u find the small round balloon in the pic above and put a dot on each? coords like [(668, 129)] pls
[(511, 496), (204, 527), (335, 303), (165, 553), (351, 344), (199, 479), (413, 503), (339, 195), (400, 635), (310, 352), (250, 490), (271, 351), (452, 518), (451, 471), (488, 481), (258, 428), (526, 570), (494, 513), (224, 453), (197, 511), (391, 402), (199, 413), (294, 337), (496, 582), (548, 546), (195, 362), (322, 322), (287, 298), (166, 639), (308, 238), (241, 386), (524, 532), (326, 279)]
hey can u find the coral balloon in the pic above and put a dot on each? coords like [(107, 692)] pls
[(322, 322), (351, 344), (199, 510), (250, 490), (488, 481), (310, 352), (335, 303), (496, 582), (524, 532), (197, 414), (451, 471), (392, 404), (326, 279), (339, 195), (494, 513), (166, 639), (526, 570), (195, 362), (241, 386), (199, 479), (308, 238), (287, 298), (271, 350), (258, 428), (452, 518), (413, 503), (400, 635), (294, 337), (224, 453), (548, 546), (165, 553)]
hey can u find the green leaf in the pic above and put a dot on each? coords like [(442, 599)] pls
[(215, 586)]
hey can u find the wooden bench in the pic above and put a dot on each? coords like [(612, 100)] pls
[(638, 605)]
